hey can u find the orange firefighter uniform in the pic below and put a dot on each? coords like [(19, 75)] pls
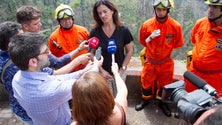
[(62, 41), (159, 66), (207, 54)]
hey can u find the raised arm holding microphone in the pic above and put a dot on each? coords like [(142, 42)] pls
[(93, 44), (109, 26), (112, 49), (160, 35)]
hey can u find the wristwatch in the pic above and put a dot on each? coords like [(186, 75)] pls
[(124, 68)]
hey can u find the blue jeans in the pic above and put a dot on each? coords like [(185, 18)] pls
[(26, 121)]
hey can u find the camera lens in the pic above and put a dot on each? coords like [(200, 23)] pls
[(188, 111), (178, 93)]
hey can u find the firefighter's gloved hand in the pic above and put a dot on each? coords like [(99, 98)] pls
[(154, 34)]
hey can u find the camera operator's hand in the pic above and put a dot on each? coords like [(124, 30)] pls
[(154, 34)]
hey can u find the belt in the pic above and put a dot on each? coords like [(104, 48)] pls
[(158, 62), (207, 72)]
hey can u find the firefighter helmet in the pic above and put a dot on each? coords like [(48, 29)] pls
[(214, 2), (63, 11), (163, 3)]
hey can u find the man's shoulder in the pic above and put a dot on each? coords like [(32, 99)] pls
[(78, 27), (4, 57), (56, 31), (174, 22), (202, 20), (123, 28), (149, 21)]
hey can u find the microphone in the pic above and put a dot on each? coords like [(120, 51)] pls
[(98, 53), (93, 44), (112, 48), (55, 44), (200, 83)]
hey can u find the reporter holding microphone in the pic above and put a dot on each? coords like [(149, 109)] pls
[(109, 26)]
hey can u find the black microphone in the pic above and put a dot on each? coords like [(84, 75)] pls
[(56, 45), (199, 83)]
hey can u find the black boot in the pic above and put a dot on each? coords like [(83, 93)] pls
[(165, 108), (142, 104)]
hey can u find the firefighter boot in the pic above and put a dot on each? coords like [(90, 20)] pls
[(165, 108), (142, 104)]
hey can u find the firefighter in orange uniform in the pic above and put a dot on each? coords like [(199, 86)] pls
[(206, 36), (160, 35), (68, 36)]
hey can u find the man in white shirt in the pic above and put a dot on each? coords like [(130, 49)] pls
[(43, 96)]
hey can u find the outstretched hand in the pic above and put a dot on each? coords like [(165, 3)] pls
[(94, 66), (83, 45), (98, 62), (115, 68), (84, 58)]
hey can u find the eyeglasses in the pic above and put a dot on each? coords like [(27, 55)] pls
[(165, 3), (45, 52), (65, 12)]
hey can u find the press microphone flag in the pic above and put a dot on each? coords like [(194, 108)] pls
[(93, 44), (112, 48)]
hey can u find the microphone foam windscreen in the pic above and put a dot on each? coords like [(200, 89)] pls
[(195, 80), (111, 46), (93, 42)]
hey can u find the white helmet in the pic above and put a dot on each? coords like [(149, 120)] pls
[(163, 3)]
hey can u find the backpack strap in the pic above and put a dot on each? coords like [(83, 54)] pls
[(7, 64)]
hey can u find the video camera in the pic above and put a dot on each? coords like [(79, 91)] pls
[(191, 105)]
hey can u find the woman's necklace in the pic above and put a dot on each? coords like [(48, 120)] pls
[(109, 30)]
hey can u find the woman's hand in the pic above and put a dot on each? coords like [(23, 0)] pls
[(115, 68)]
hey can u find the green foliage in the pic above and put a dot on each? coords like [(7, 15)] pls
[(132, 12)]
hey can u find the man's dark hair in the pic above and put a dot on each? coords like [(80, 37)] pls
[(8, 29), (214, 118), (24, 47), (27, 13)]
